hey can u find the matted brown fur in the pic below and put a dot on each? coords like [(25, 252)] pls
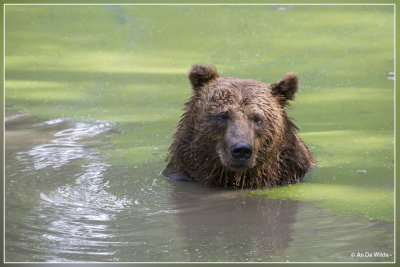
[(225, 111)]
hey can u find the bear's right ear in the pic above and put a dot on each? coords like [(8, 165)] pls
[(202, 74)]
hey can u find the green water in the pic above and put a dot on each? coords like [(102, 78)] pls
[(127, 65)]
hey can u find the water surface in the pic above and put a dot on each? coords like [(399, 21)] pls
[(65, 203)]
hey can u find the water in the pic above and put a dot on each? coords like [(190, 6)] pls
[(91, 189), (65, 202)]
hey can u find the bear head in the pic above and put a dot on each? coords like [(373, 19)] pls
[(239, 119), (236, 131)]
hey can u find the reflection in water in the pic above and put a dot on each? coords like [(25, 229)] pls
[(231, 226), (65, 203)]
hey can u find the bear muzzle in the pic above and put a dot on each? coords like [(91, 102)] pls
[(241, 153)]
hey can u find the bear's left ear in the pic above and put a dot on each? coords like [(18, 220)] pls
[(285, 88), (202, 74)]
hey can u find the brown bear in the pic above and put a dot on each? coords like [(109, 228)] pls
[(236, 133)]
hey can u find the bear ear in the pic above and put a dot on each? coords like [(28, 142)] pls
[(202, 74), (285, 88)]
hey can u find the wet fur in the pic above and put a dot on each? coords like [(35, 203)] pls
[(281, 156)]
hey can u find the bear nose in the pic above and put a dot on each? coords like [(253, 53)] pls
[(241, 151)]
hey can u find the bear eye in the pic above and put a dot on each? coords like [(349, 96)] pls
[(257, 119), (223, 117)]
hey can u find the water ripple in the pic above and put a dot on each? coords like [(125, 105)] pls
[(76, 214), (68, 147)]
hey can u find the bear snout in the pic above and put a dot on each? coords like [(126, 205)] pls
[(241, 156), (241, 151)]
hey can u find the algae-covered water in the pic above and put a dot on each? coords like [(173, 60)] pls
[(93, 95)]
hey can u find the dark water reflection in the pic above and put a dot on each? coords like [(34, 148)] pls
[(64, 202), (231, 226)]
